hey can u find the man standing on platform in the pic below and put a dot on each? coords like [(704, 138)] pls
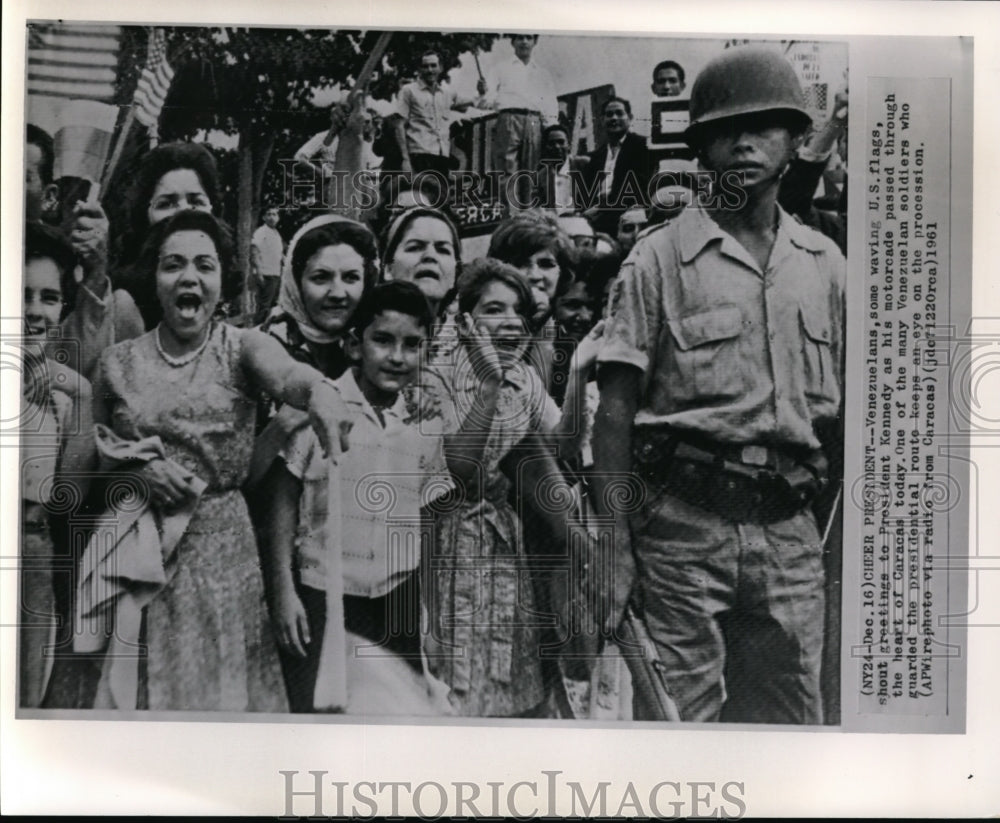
[(266, 251), (618, 173), (425, 107), (524, 96), (720, 376), (557, 174), (668, 79)]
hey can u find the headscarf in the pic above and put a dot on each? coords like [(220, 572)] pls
[(290, 296)]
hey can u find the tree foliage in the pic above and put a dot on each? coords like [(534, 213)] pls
[(263, 80), (258, 84)]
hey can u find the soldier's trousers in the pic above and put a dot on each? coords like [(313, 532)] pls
[(736, 612)]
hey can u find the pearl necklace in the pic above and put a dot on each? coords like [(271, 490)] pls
[(184, 359)]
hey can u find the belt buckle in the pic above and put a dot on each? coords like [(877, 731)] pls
[(754, 455)]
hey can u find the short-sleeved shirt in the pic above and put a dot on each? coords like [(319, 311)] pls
[(387, 473), (427, 114), (271, 247), (523, 406), (727, 350)]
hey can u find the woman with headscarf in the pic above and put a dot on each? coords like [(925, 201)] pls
[(330, 263)]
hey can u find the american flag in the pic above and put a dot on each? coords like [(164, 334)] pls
[(154, 82), (75, 62)]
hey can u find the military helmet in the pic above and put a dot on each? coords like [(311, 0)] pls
[(745, 80)]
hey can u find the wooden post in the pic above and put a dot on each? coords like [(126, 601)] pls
[(244, 217), (348, 156)]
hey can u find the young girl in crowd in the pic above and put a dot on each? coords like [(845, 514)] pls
[(484, 628), (56, 436)]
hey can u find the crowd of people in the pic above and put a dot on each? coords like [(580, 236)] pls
[(388, 491)]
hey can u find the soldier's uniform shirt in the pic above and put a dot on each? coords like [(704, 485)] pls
[(735, 353), (740, 355)]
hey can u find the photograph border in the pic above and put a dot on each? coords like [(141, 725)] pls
[(917, 773)]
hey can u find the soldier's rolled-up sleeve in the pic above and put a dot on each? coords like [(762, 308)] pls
[(635, 315)]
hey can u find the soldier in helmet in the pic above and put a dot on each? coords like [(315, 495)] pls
[(720, 371)]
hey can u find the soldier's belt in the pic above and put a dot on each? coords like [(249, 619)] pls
[(744, 484)]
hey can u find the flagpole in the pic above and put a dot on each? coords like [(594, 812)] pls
[(119, 147), (156, 73)]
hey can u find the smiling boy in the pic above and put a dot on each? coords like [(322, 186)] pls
[(384, 476)]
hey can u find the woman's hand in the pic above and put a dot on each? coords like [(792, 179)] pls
[(329, 418), (483, 354), (291, 626), (585, 355), (89, 237), (169, 483)]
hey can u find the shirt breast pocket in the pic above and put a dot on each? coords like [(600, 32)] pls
[(817, 351), (706, 359)]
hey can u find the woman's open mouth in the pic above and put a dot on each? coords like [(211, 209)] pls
[(509, 342), (188, 305)]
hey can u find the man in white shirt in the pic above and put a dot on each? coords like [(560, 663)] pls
[(321, 148), (525, 98), (320, 152), (425, 107), (266, 251), (557, 174)]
